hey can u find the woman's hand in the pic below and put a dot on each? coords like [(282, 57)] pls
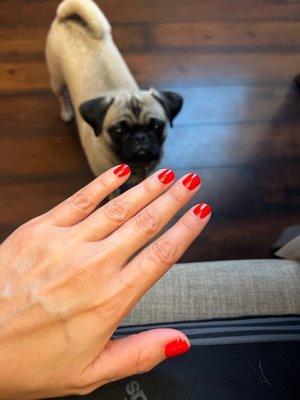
[(66, 283)]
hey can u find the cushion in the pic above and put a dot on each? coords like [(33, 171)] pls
[(199, 291)]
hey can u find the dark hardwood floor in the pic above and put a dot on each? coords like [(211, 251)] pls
[(233, 61)]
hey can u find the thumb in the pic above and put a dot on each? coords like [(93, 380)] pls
[(138, 353)]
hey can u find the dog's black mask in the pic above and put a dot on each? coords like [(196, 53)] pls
[(138, 144)]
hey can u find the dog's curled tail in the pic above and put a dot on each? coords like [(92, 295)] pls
[(88, 12)]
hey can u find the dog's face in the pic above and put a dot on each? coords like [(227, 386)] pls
[(134, 126)]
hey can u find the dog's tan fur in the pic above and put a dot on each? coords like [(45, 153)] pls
[(84, 63)]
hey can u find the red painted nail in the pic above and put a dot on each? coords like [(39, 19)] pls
[(122, 170), (191, 181), (202, 210), (175, 348), (166, 176)]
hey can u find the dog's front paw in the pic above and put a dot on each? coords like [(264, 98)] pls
[(66, 115)]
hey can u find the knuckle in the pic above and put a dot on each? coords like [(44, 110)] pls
[(103, 182), (175, 196), (115, 300), (187, 227), (22, 233), (147, 221), (142, 362), (82, 391), (112, 307), (82, 201), (88, 270), (116, 211), (148, 186), (164, 252), (29, 231)]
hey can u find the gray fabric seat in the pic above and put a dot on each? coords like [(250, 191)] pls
[(221, 289)]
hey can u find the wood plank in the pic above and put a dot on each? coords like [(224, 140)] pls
[(244, 35), (38, 149), (23, 199), (40, 192), (53, 153), (36, 140), (248, 190), (278, 186), (169, 70), (239, 237), (204, 36), (224, 198), (238, 197), (22, 40), (232, 144), (190, 68), (26, 115), (25, 41), (21, 76), (236, 104), (203, 106), (136, 11), (176, 10)]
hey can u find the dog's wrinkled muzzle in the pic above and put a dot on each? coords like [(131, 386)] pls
[(143, 149)]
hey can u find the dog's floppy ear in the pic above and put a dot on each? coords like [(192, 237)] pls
[(171, 102), (93, 112)]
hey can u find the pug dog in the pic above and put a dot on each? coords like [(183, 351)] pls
[(117, 121)]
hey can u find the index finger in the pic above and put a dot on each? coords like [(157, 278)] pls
[(82, 203)]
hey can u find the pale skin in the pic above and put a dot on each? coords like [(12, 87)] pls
[(68, 278)]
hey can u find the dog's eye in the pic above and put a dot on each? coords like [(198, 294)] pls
[(119, 129), (156, 125)]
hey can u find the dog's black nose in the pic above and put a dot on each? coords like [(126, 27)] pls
[(141, 138)]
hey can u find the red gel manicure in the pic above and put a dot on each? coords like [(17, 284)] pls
[(166, 176), (175, 348), (191, 181), (202, 210), (122, 170)]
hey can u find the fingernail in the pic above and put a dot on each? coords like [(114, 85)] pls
[(175, 348), (122, 170), (166, 176), (202, 210), (191, 181)]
